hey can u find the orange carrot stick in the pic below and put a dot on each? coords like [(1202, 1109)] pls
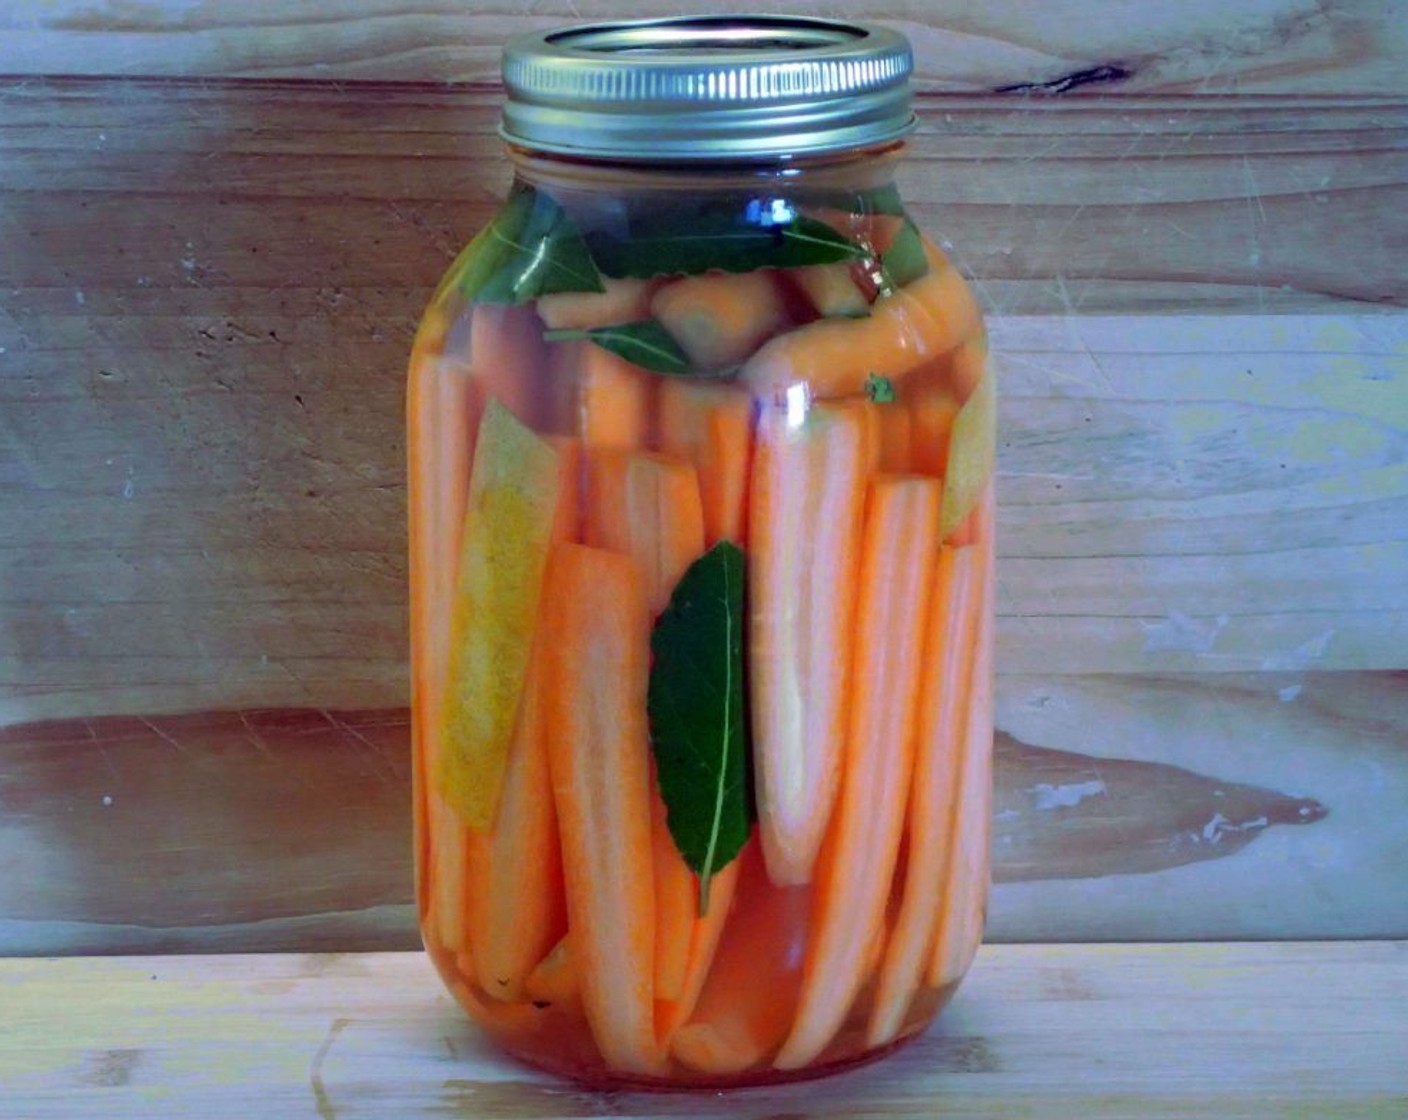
[(503, 1020), (609, 400), (599, 756), (648, 506), (442, 418), (960, 928), (833, 357), (943, 698), (719, 318), (435, 325), (507, 357), (853, 881), (674, 1012), (711, 426), (830, 289), (446, 880), (892, 901), (567, 521), (932, 413), (805, 507), (889, 430), (748, 998), (934, 393), (623, 301), (968, 529), (441, 406), (948, 298), (676, 905), (879, 944), (969, 366), (554, 979), (516, 908)]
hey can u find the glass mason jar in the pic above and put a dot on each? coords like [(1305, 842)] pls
[(701, 454)]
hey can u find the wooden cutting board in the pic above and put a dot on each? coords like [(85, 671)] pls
[(1068, 1032)]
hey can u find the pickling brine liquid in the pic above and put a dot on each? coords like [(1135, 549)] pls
[(702, 551)]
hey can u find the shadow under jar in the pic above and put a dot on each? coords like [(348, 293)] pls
[(701, 454)]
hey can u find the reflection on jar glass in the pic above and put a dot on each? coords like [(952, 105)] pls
[(701, 452)]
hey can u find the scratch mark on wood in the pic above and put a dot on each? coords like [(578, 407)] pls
[(317, 964), (1183, 634), (255, 739), (111, 1069), (321, 1099), (970, 1054), (383, 765), (533, 1100), (1066, 984), (175, 743), (1091, 76)]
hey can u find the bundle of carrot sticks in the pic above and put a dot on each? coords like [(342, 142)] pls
[(559, 492)]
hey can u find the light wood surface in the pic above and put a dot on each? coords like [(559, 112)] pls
[(1197, 46), (1252, 1031)]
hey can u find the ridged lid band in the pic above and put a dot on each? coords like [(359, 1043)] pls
[(707, 88)]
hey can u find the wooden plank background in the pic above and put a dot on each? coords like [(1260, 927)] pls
[(1194, 47), (1193, 263)]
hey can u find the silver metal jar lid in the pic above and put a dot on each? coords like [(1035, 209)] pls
[(707, 88)]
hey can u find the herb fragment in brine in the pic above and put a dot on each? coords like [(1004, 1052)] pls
[(905, 260), (879, 389), (645, 343), (698, 725), (730, 240), (529, 249)]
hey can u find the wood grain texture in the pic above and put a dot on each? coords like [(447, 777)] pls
[(1234, 1032), (1271, 46), (1127, 807), (236, 830), (1197, 494), (1134, 818), (1341, 738), (209, 290)]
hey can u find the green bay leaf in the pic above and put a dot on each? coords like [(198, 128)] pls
[(529, 249), (905, 260), (698, 725), (644, 343), (726, 239), (883, 200)]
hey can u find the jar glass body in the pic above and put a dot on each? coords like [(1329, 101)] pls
[(702, 554)]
